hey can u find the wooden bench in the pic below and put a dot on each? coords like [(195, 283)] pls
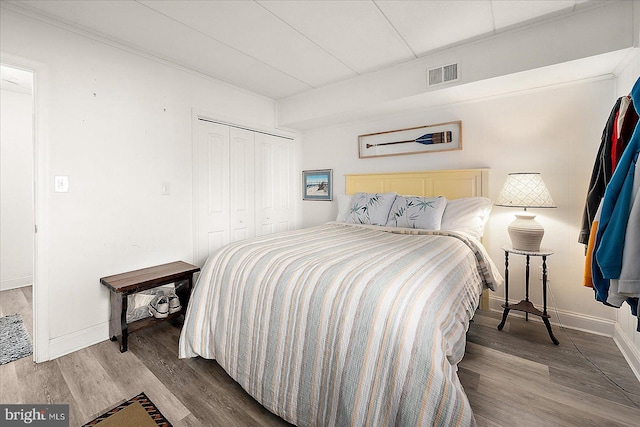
[(124, 284)]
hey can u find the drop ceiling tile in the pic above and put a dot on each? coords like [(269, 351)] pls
[(137, 26), (252, 29), (355, 32), (509, 13), (247, 73), (283, 48), (429, 25)]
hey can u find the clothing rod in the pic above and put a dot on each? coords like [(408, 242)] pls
[(244, 128)]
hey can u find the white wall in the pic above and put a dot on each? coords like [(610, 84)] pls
[(118, 125), (555, 131), (16, 195)]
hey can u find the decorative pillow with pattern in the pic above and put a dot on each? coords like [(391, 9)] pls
[(370, 208), (417, 212)]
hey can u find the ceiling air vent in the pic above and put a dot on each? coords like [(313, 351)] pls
[(444, 74)]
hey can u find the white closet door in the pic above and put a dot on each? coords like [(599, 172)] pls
[(211, 188), (242, 189), (274, 184)]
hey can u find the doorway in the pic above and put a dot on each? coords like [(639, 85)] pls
[(17, 204)]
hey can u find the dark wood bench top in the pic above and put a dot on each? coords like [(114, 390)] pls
[(150, 277)]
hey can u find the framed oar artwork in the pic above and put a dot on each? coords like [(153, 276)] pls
[(422, 139)]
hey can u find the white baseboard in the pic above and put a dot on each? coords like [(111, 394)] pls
[(75, 341), (568, 319), (20, 282), (628, 349)]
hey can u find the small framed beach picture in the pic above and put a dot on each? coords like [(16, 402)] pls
[(317, 184)]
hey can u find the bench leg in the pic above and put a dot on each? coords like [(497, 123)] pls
[(124, 341), (118, 328), (184, 292)]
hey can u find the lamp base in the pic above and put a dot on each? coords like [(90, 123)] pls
[(526, 233)]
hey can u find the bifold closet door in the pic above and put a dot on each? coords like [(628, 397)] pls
[(242, 186), (274, 184), (211, 188)]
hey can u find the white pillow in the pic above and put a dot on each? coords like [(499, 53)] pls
[(469, 214), (417, 212), (344, 206), (370, 208)]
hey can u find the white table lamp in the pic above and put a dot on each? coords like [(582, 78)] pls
[(525, 190)]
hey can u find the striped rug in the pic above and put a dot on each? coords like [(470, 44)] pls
[(138, 411)]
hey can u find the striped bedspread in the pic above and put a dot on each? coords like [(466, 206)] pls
[(343, 325)]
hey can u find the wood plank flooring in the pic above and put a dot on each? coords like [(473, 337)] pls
[(517, 376), (514, 377)]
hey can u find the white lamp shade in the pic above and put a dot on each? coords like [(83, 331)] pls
[(525, 190)]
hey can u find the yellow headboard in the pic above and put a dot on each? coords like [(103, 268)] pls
[(453, 184)]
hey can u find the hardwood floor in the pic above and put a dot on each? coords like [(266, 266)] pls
[(517, 376), (514, 377)]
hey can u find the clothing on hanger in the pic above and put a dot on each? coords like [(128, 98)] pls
[(615, 267), (626, 126), (600, 176), (588, 261)]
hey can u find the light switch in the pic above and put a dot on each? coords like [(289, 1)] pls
[(61, 184), (165, 189)]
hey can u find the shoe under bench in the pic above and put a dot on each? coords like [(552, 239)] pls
[(124, 284)]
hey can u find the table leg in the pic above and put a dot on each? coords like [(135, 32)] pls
[(545, 317), (526, 288), (548, 325), (506, 278), (505, 313)]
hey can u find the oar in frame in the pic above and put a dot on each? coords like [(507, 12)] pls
[(426, 139)]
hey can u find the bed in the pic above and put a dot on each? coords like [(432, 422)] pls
[(348, 324)]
